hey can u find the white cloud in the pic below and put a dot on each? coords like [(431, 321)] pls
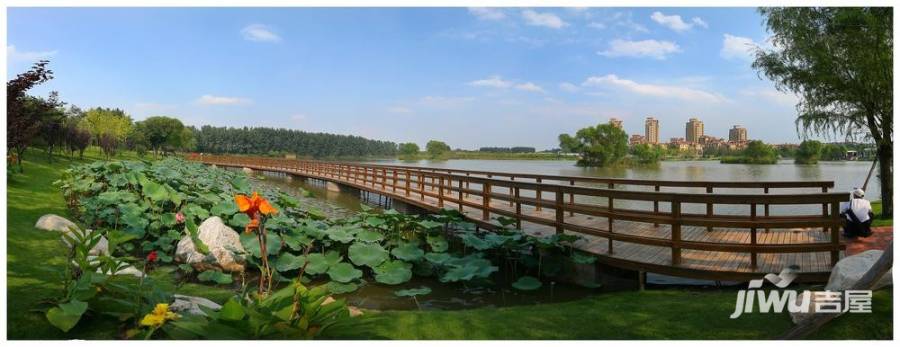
[(530, 87), (487, 13), (568, 87), (699, 22), (737, 47), (546, 19), (494, 81), (675, 22), (646, 48), (222, 100), (259, 33), (15, 55), (657, 90), (399, 109)]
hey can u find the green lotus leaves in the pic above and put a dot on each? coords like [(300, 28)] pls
[(393, 272), (239, 220), (472, 240), (297, 241), (155, 191), (375, 221), (340, 234), (333, 257), (367, 254), (341, 288), (251, 244), (344, 272), (527, 283), (428, 224), (437, 243), (369, 236), (459, 273), (583, 258), (413, 291), (467, 268), (224, 208), (437, 258), (408, 251), (317, 264), (288, 262)]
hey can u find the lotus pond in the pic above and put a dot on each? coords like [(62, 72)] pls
[(371, 257)]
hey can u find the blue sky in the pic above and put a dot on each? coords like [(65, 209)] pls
[(469, 76)]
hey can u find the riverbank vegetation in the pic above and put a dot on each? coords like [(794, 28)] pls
[(756, 152)]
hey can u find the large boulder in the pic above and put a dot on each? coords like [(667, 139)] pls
[(192, 304), (220, 240), (844, 275), (52, 222), (849, 270)]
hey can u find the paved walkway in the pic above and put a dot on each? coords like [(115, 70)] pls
[(880, 239)]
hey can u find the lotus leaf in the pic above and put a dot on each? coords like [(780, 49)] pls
[(527, 283), (408, 251), (288, 262), (369, 254), (340, 234), (214, 276), (413, 291), (344, 272), (437, 258), (437, 243), (369, 236), (393, 272)]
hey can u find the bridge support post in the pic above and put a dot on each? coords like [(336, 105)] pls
[(676, 232), (642, 280)]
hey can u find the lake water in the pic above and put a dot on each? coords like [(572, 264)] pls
[(845, 174)]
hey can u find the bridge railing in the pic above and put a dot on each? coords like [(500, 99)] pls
[(558, 205)]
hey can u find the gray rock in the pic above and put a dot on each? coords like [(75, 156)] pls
[(220, 240), (849, 270), (52, 222), (247, 170), (192, 304)]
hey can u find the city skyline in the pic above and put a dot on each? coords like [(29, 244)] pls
[(471, 77)]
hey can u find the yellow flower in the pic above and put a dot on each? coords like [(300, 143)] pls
[(159, 316)]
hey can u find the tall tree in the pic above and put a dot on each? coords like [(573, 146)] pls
[(107, 121), (601, 145), (161, 133), (22, 121), (808, 152), (839, 61), (436, 148), (409, 149)]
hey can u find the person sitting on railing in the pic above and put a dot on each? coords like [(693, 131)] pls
[(857, 215)]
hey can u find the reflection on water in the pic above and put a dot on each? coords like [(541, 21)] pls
[(845, 174)]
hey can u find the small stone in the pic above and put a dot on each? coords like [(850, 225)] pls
[(851, 269), (192, 304), (220, 239), (52, 222)]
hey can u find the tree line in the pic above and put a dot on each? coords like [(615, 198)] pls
[(271, 141)]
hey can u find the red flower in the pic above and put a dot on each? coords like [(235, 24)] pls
[(253, 206), (151, 258), (179, 217)]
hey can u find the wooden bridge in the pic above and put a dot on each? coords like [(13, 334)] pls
[(706, 230)]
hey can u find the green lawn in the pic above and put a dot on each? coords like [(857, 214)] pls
[(879, 221), (35, 259)]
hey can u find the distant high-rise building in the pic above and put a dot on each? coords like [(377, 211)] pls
[(693, 130), (615, 122), (737, 134), (651, 130), (637, 140)]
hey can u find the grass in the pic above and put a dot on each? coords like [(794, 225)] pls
[(880, 221), (652, 314), (35, 259)]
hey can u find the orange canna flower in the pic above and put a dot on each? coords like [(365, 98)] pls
[(253, 206)]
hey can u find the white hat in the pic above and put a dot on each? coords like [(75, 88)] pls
[(858, 192)]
